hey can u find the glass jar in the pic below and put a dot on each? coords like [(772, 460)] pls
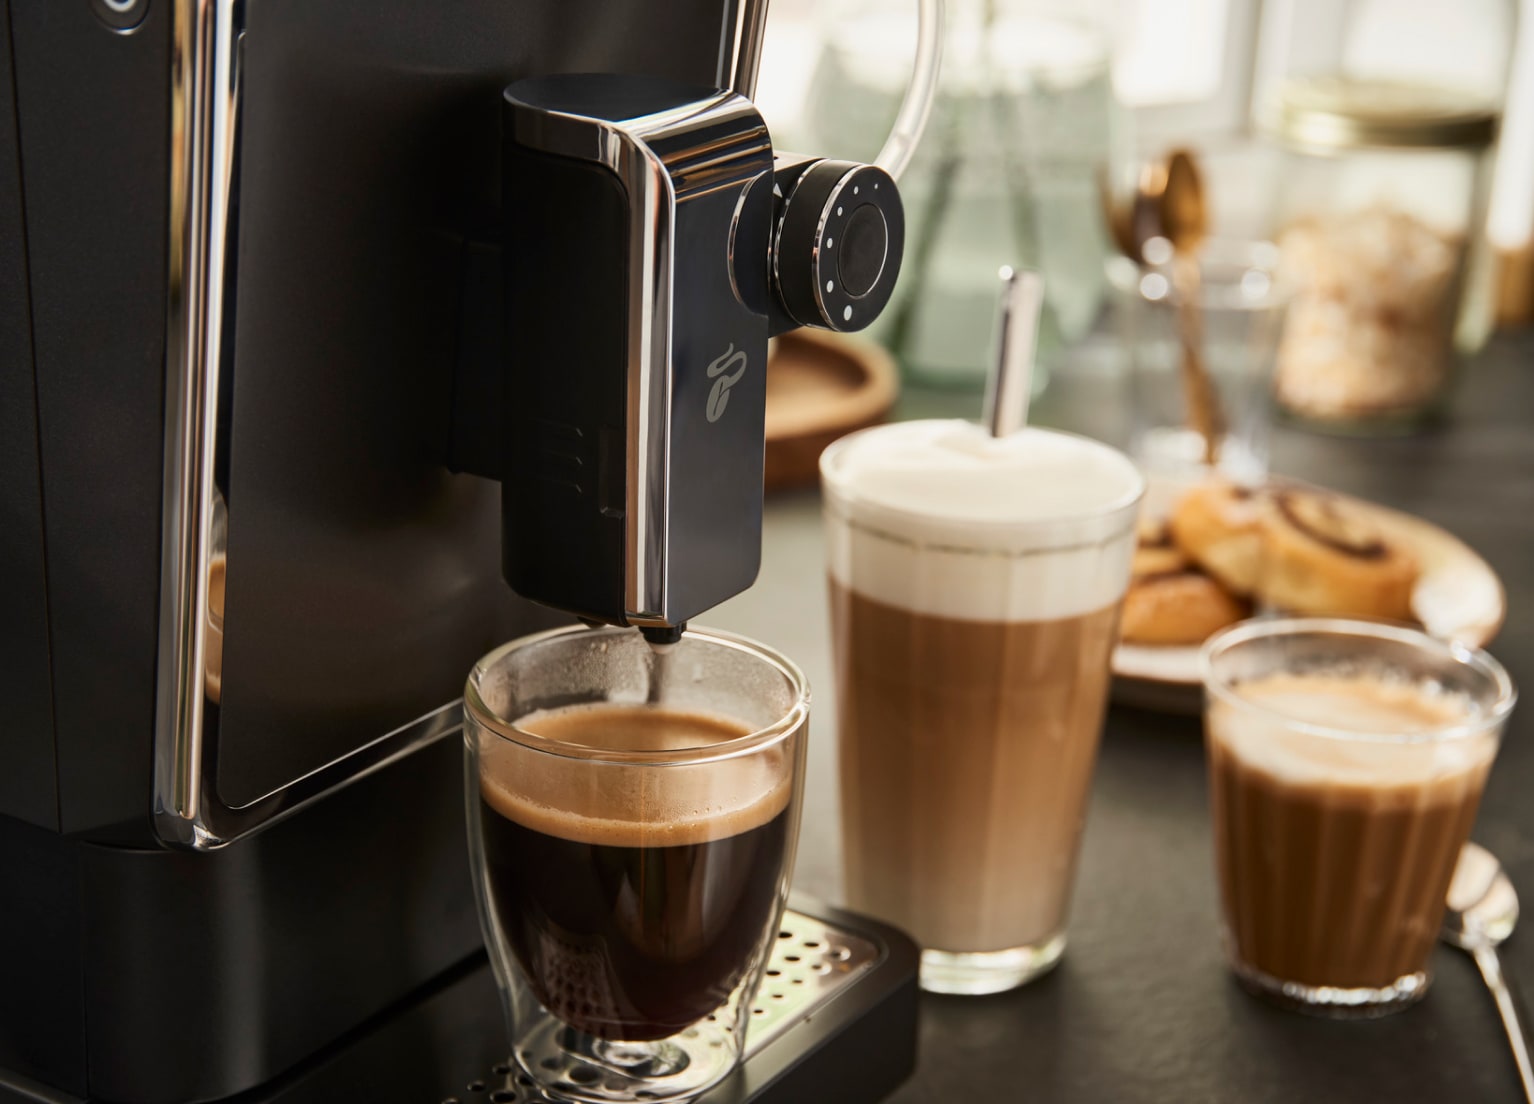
[(1387, 118), (1007, 173)]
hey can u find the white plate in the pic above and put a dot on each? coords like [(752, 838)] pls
[(1458, 596)]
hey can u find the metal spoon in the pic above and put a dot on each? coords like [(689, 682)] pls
[(1483, 908), (1168, 207), (1168, 202)]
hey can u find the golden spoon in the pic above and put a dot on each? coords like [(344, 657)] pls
[(1168, 203)]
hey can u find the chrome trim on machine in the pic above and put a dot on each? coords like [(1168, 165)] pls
[(206, 47), (662, 159), (740, 47), (205, 100)]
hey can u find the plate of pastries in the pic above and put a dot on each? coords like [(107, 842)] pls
[(1215, 552)]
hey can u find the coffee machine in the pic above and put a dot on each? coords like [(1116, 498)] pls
[(653, 243), (286, 286)]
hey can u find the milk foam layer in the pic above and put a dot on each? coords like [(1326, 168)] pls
[(941, 518), (1371, 706), (617, 805)]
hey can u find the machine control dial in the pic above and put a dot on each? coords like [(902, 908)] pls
[(837, 246)]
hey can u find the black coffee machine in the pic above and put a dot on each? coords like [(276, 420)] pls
[(260, 345)]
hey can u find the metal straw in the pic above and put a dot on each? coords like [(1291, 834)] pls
[(1010, 383)]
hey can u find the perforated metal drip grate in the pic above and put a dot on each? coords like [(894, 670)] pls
[(811, 963)]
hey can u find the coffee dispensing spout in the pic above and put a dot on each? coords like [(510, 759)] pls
[(654, 241)]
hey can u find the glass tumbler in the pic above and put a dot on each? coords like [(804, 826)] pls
[(1346, 762), (631, 877), (975, 584), (1225, 310)]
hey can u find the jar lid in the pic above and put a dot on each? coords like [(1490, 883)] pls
[(1335, 112)]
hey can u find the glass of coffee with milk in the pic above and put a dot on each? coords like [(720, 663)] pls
[(976, 582), (1346, 762), (633, 813)]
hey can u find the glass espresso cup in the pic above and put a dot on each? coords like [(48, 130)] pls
[(632, 822), (976, 584), (1346, 762)]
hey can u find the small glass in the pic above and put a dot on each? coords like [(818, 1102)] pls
[(1225, 308), (630, 891), (1346, 762)]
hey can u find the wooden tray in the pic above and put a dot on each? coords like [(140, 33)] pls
[(821, 387)]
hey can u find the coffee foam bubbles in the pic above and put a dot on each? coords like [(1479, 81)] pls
[(941, 518), (617, 805), (1266, 738)]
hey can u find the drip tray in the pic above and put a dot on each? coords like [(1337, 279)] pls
[(835, 1019), (813, 963)]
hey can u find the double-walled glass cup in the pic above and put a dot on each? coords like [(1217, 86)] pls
[(1346, 762), (630, 885)]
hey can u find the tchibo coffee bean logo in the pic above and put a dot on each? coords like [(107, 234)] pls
[(719, 394)]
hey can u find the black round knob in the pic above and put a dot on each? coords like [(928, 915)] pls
[(865, 244), (837, 251)]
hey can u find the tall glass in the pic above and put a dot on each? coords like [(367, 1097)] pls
[(630, 882), (975, 593), (1346, 762), (1227, 309)]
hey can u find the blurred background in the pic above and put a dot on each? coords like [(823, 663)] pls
[(1387, 146)]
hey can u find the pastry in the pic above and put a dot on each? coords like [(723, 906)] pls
[(1322, 556), (1219, 526), (1177, 607), (1155, 551)]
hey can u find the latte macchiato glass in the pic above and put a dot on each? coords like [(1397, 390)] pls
[(1346, 761), (975, 592), (632, 821)]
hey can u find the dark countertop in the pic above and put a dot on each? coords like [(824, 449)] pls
[(1142, 1008)]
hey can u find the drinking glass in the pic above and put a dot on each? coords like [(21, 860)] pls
[(630, 891), (972, 666), (1341, 800), (1228, 305)]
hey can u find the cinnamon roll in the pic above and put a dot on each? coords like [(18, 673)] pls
[(1322, 556)]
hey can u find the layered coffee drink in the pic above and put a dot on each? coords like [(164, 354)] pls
[(975, 591), (1346, 762), (634, 902), (967, 750), (1335, 854)]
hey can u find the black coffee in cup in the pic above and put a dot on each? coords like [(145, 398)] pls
[(634, 901)]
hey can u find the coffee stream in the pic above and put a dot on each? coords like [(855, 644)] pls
[(660, 661)]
